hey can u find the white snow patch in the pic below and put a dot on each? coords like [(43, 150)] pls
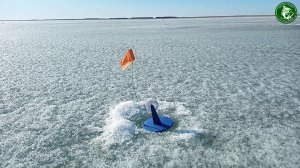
[(121, 125)]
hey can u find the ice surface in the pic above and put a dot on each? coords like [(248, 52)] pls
[(230, 84)]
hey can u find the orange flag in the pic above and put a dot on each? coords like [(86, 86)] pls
[(127, 59)]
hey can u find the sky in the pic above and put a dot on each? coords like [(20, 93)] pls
[(72, 9)]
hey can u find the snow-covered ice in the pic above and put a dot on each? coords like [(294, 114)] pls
[(230, 84)]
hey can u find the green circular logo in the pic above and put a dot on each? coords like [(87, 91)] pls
[(286, 12)]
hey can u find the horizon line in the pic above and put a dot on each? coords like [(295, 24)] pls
[(128, 18)]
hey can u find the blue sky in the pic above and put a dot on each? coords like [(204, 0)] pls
[(45, 9)]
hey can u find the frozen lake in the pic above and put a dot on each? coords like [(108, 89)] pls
[(232, 86)]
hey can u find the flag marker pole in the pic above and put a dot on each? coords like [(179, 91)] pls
[(133, 93)]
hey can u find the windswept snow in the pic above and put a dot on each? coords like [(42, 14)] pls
[(230, 84)]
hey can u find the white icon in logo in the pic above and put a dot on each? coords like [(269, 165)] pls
[(287, 13)]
